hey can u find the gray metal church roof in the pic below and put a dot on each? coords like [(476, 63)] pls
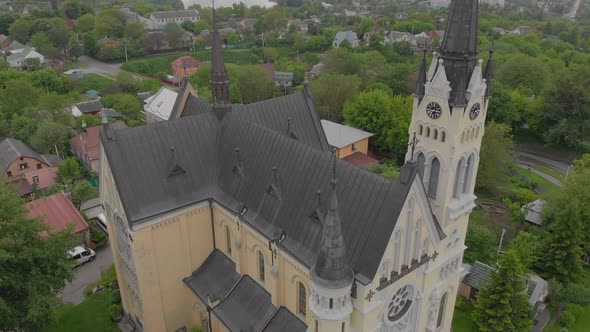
[(214, 278), (153, 180), (284, 321), (247, 307)]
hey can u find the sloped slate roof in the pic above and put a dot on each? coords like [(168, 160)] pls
[(214, 278), (90, 106), (12, 149), (246, 308), (284, 321), (479, 275), (340, 135)]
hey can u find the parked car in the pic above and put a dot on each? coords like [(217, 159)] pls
[(81, 255)]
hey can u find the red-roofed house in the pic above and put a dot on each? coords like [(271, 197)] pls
[(57, 211), (86, 145), (186, 65)]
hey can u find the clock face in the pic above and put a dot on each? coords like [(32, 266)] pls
[(474, 111), (433, 110)]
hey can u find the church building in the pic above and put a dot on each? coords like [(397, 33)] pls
[(239, 217)]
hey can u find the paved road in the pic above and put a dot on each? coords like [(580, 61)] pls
[(526, 157), (101, 68), (86, 274), (541, 174), (575, 7)]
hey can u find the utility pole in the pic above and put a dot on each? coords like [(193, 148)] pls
[(501, 239), (125, 47)]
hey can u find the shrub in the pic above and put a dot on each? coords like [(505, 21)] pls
[(461, 304), (567, 319), (115, 312), (116, 297), (98, 237), (575, 309)]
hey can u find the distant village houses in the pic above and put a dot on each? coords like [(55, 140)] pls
[(160, 19), (349, 36)]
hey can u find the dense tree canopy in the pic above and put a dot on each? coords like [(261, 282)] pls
[(34, 269), (495, 153)]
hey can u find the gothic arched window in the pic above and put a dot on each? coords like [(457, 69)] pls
[(420, 130), (343, 329), (261, 266), (302, 299), (421, 160), (228, 239), (457, 185), (443, 137), (462, 137), (441, 310), (468, 171), (435, 134), (433, 181), (427, 131)]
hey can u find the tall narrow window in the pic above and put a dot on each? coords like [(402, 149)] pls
[(302, 303), (443, 137), (441, 310), (457, 185), (316, 326), (396, 250), (228, 239), (468, 171), (417, 236), (260, 266), (331, 303), (433, 181), (421, 160), (343, 329), (436, 134), (420, 130)]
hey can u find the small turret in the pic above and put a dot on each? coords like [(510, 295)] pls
[(419, 91), (331, 275), (487, 75), (219, 75)]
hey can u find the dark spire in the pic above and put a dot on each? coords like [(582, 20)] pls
[(459, 47), (219, 76), (331, 269), (419, 91), (488, 73)]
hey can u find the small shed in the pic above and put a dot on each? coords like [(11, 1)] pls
[(74, 74), (94, 94), (533, 212)]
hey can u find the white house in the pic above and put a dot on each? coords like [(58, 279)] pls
[(18, 58), (160, 19), (159, 106)]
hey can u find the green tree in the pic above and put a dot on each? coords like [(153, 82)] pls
[(253, 84), (33, 268), (6, 19), (330, 97), (85, 23), (270, 54), (566, 110), (49, 135), (527, 247), (69, 171), (56, 107), (200, 25), (384, 115), (173, 34), (388, 170), (274, 20), (75, 49), (495, 153), (20, 30), (83, 191), (91, 46), (503, 304), (72, 9), (481, 244), (125, 103), (523, 71), (569, 226), (42, 43), (18, 96)]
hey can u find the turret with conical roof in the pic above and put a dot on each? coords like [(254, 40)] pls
[(331, 274)]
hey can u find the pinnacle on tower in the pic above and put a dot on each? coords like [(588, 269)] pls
[(419, 91), (331, 269), (459, 47), (219, 76), (488, 75)]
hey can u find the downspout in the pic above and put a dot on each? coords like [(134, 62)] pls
[(212, 229), (209, 314)]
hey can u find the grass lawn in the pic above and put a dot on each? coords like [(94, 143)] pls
[(582, 323), (90, 315), (462, 321), (92, 81), (558, 175), (549, 187)]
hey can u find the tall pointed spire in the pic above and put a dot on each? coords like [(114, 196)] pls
[(331, 269), (419, 91), (219, 76), (488, 73), (459, 47)]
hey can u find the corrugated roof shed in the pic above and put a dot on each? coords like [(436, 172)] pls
[(57, 211)]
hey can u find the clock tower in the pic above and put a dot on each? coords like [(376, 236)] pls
[(450, 103)]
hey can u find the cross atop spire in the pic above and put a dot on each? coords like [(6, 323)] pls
[(219, 76), (413, 142)]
